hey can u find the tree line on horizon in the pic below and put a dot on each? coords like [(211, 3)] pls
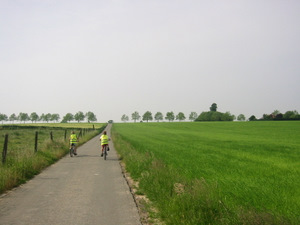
[(211, 115), (277, 115), (193, 116), (46, 117), (147, 116)]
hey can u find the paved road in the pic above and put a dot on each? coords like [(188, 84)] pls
[(79, 190)]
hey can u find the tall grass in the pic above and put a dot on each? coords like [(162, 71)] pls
[(228, 173), (22, 162)]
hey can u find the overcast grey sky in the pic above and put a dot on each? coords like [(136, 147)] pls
[(120, 56)]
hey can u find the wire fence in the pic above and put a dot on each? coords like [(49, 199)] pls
[(15, 138)]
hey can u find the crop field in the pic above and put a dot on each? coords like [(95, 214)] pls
[(24, 159), (216, 172)]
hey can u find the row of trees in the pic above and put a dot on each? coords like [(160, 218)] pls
[(211, 115), (48, 117), (79, 116), (170, 116), (276, 115)]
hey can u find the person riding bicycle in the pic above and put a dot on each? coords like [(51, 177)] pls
[(104, 142), (73, 140)]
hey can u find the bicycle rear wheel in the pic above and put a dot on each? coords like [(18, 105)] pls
[(105, 152), (72, 151)]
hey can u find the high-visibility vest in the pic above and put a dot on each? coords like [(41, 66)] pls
[(104, 139), (73, 138)]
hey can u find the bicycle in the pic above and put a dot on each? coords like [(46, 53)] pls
[(104, 152), (72, 150)]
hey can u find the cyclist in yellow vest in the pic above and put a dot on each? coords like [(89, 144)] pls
[(73, 140), (104, 142)]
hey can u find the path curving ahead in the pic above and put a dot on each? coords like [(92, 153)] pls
[(82, 190)]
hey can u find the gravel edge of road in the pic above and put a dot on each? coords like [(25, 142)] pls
[(141, 201)]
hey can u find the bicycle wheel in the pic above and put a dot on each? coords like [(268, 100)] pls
[(105, 152), (72, 151)]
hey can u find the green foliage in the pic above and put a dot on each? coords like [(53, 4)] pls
[(252, 118), (34, 117), (216, 173), (276, 115), (158, 116), (291, 115), (55, 117), (12, 117), (170, 116), (46, 117), (213, 107), (3, 117), (91, 117), (147, 116), (267, 117), (54, 125), (180, 116), (215, 116), (241, 117), (193, 116), (79, 116), (135, 116), (124, 118), (23, 117), (67, 118)]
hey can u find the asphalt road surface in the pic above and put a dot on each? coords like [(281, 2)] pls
[(80, 190)]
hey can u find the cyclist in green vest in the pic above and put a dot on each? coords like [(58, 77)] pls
[(104, 142), (73, 140)]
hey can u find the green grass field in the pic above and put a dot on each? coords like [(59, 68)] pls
[(22, 162), (230, 172)]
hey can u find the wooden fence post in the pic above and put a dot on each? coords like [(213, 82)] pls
[(51, 136), (5, 149), (65, 135), (36, 141)]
